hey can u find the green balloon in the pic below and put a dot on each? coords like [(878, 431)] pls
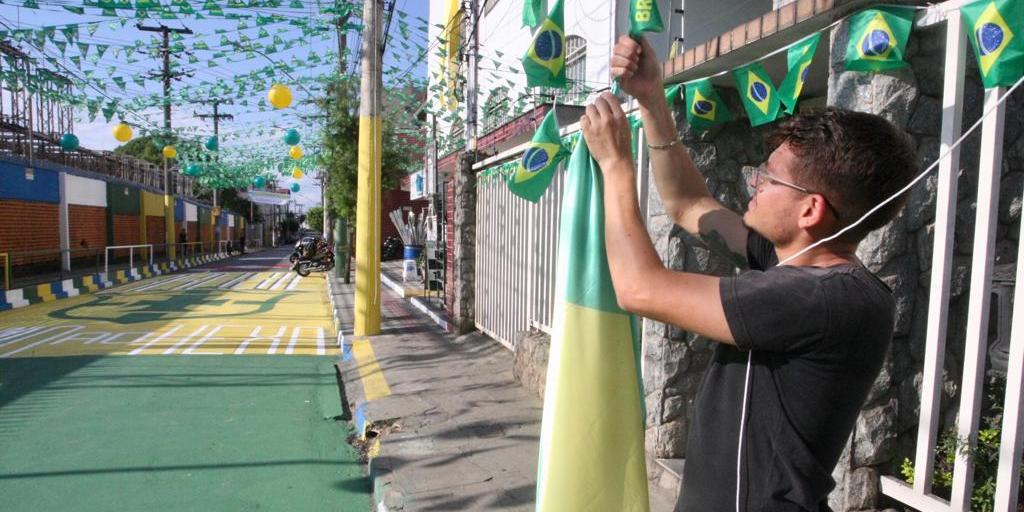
[(292, 137), (295, 187), (259, 181), (212, 144), (69, 142), (193, 170)]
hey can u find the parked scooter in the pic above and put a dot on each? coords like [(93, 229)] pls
[(315, 256)]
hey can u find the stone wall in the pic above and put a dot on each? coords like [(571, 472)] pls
[(900, 253)]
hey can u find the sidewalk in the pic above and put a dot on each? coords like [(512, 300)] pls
[(447, 424)]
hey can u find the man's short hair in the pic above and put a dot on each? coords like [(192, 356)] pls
[(855, 159)]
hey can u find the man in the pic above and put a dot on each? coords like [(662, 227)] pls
[(800, 343)]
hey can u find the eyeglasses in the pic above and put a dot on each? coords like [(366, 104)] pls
[(762, 176)]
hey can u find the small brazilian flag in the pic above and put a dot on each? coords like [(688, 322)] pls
[(544, 62), (760, 99), (996, 29), (532, 12), (644, 16), (704, 108), (672, 94), (537, 166), (798, 59), (878, 38), (591, 454)]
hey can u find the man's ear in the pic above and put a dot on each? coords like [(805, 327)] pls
[(813, 212)]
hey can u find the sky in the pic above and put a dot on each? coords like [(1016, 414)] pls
[(97, 135)]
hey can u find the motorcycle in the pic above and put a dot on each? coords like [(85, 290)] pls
[(300, 247), (315, 256), (392, 249)]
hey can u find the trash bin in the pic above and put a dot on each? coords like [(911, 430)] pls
[(411, 253)]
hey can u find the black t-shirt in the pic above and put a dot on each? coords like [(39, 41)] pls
[(819, 337)]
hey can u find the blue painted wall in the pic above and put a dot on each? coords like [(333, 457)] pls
[(179, 210), (45, 186)]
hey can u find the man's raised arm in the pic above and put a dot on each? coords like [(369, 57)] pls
[(683, 191)]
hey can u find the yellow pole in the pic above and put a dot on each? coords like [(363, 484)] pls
[(367, 303), (168, 215)]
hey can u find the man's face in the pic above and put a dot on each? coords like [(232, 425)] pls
[(774, 206)]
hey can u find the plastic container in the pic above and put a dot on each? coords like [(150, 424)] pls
[(412, 252)]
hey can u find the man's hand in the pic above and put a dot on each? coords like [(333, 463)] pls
[(635, 64), (606, 130)]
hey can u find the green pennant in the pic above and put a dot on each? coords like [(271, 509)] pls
[(996, 31), (139, 80), (644, 16), (539, 161), (119, 81), (533, 11), (61, 46), (798, 59), (878, 38), (704, 108), (108, 111), (544, 62), (74, 9), (83, 49), (30, 4), (759, 97), (76, 60), (672, 94)]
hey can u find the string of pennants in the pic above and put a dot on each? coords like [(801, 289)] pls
[(878, 39)]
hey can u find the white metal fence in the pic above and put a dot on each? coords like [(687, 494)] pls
[(516, 248), (920, 495)]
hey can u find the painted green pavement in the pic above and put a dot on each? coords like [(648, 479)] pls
[(213, 433)]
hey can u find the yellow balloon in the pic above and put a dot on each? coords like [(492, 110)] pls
[(280, 96), (296, 173), (295, 152), (170, 152), (123, 132)]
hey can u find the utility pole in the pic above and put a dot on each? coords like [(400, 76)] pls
[(168, 198), (464, 223), (216, 116), (367, 300)]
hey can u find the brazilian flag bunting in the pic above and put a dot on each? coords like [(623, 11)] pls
[(996, 30), (644, 16), (878, 38), (798, 59), (532, 10), (540, 160), (544, 62), (704, 108), (672, 94), (592, 433), (760, 99)]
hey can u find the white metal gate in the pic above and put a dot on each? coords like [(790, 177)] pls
[(516, 248)]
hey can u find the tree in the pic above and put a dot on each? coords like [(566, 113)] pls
[(315, 218), (340, 155)]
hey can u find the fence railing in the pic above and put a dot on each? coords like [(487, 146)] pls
[(131, 255), (517, 250), (26, 268)]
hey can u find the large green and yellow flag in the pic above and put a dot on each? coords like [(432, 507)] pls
[(759, 97), (996, 30), (540, 160), (592, 434), (878, 38), (544, 62), (704, 108), (798, 60)]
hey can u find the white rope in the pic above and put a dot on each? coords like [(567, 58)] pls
[(915, 180), (743, 426)]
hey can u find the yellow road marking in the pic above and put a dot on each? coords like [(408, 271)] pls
[(374, 384)]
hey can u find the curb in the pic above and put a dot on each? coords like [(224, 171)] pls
[(89, 283)]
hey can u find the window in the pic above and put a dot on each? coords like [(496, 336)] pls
[(576, 64), (497, 109)]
